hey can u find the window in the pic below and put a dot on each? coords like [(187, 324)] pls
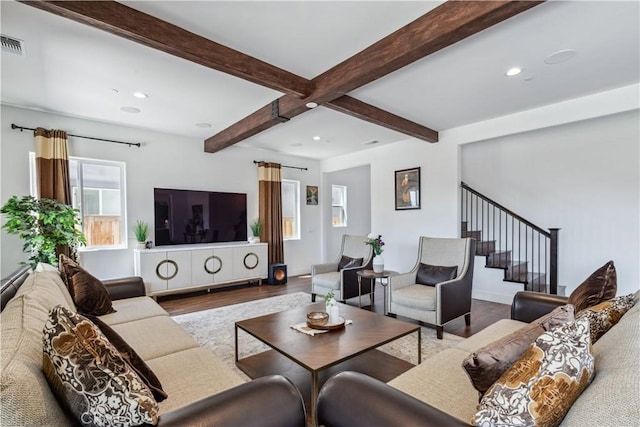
[(97, 190), (290, 209), (338, 206)]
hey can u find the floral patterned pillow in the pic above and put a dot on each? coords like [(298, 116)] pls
[(605, 315), (89, 377), (541, 386)]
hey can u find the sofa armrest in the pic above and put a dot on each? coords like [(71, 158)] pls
[(271, 401), (353, 399), (126, 287), (527, 306)]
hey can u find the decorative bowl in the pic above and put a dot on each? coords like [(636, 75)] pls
[(317, 318)]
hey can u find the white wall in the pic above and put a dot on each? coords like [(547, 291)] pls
[(438, 215), (575, 127), (358, 183), (583, 178), (164, 160)]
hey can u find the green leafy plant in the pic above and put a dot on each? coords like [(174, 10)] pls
[(256, 228), (141, 230), (45, 225), (330, 298)]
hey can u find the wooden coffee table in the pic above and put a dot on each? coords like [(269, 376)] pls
[(309, 360)]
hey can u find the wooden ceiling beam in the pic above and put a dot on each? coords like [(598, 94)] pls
[(443, 26), (289, 107), (367, 112), (150, 31)]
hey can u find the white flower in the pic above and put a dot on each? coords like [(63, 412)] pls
[(372, 236)]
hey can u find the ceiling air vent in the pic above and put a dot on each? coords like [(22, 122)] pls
[(12, 45)]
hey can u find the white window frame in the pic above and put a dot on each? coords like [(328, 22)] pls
[(296, 201), (339, 204), (78, 197)]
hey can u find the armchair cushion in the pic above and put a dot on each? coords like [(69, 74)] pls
[(348, 262), (329, 280), (416, 296), (599, 287), (431, 275)]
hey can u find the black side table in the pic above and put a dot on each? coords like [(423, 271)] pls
[(372, 275)]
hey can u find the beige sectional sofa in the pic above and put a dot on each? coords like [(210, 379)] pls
[(200, 388), (438, 392)]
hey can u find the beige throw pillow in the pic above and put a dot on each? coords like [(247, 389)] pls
[(88, 376), (487, 364), (539, 389)]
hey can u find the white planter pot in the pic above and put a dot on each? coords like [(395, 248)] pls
[(254, 239), (141, 245), (333, 312), (378, 264)]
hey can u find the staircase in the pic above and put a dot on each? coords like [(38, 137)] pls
[(525, 252)]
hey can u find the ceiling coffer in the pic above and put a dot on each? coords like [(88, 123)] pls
[(12, 45)]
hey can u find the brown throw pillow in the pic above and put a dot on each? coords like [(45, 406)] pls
[(539, 389), (348, 262), (605, 315), (88, 293), (88, 376), (488, 363), (132, 358), (599, 287), (431, 275)]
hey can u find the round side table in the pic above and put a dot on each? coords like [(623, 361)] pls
[(372, 275)]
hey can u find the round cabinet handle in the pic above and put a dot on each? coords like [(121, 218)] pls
[(213, 257), (171, 276), (257, 260)]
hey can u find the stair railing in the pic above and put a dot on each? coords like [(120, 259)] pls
[(511, 235)]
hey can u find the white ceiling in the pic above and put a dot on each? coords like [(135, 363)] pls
[(72, 69)]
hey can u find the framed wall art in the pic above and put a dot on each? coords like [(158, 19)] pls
[(312, 195), (407, 193)]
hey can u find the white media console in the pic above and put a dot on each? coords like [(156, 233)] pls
[(184, 268)]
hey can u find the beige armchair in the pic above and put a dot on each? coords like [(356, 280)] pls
[(343, 282), (442, 301)]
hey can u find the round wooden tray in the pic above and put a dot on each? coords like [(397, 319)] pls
[(329, 326)]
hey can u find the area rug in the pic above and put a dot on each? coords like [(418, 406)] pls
[(214, 329)]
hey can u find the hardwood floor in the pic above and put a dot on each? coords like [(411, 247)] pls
[(483, 313)]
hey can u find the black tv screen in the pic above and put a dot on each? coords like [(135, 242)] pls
[(189, 216)]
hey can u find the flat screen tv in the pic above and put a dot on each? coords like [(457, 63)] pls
[(190, 216)]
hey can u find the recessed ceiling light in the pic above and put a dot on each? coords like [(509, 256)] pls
[(312, 104), (115, 90), (140, 95), (513, 71), (375, 141), (560, 56), (132, 110), (316, 138), (203, 125)]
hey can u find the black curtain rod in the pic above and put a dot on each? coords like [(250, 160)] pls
[(137, 144), (255, 162)]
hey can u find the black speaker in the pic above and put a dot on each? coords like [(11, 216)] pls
[(277, 274)]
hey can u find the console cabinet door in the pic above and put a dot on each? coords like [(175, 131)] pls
[(146, 268), (250, 262), (179, 269), (222, 265), (203, 265)]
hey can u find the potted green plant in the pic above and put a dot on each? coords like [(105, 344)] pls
[(45, 225), (256, 230), (141, 231)]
